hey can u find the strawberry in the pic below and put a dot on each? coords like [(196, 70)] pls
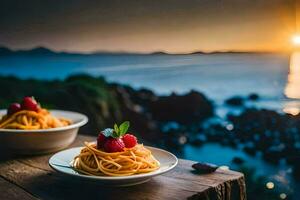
[(29, 103), (13, 108), (129, 140), (113, 145), (100, 140)]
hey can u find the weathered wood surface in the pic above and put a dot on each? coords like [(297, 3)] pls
[(32, 178)]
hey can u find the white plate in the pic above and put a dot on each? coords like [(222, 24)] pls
[(61, 163), (42, 140)]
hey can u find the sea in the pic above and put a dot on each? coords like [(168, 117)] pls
[(275, 77), (219, 76)]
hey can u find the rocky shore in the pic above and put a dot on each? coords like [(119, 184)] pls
[(167, 121)]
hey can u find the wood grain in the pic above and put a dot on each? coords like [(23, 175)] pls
[(9, 191), (33, 177)]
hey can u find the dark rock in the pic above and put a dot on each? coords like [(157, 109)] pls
[(204, 168), (253, 123), (193, 107), (143, 125), (276, 135), (238, 160), (174, 139), (217, 133), (224, 141), (235, 101), (292, 159), (196, 142), (296, 170), (292, 155), (250, 150), (272, 156), (233, 143), (253, 97)]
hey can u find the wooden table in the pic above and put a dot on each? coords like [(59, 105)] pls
[(31, 178)]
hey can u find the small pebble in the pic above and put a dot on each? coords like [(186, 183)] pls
[(204, 167)]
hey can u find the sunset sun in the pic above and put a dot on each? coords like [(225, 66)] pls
[(296, 40)]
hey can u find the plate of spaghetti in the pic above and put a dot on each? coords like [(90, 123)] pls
[(28, 128), (116, 159)]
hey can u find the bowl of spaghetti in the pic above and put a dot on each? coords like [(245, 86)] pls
[(32, 129), (115, 159)]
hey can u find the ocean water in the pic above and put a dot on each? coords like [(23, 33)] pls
[(219, 76), (275, 77)]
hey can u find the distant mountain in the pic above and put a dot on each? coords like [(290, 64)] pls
[(35, 51), (38, 50), (197, 52), (4, 51), (159, 53)]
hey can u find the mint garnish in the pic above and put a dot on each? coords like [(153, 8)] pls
[(124, 127), (118, 131), (121, 130), (108, 132)]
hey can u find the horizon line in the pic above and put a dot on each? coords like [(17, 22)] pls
[(16, 50)]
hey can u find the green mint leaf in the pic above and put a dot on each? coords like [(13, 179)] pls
[(116, 128), (124, 128), (108, 132), (115, 134)]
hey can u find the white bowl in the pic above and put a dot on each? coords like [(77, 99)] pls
[(61, 163), (43, 140)]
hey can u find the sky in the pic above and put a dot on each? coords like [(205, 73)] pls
[(174, 26)]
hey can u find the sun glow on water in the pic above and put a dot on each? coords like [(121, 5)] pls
[(292, 89)]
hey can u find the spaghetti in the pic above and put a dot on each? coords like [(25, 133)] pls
[(136, 160), (31, 120)]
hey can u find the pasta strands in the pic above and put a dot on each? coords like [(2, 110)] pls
[(136, 160), (31, 120)]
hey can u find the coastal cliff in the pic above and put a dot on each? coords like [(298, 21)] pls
[(106, 103)]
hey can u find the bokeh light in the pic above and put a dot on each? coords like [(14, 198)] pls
[(270, 185), (282, 196)]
